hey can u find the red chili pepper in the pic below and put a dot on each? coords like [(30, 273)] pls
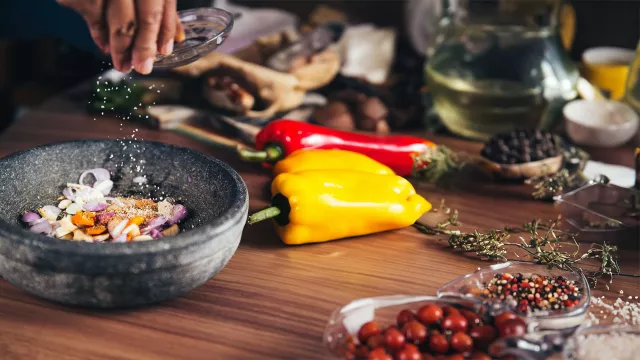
[(280, 138)]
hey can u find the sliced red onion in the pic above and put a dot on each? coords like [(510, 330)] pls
[(120, 239), (95, 205), (30, 217), (69, 193), (155, 233), (155, 223), (42, 227), (99, 173), (50, 212), (116, 227), (104, 218), (178, 213), (114, 200), (104, 186)]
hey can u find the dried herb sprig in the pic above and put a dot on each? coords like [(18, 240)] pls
[(570, 177), (543, 245)]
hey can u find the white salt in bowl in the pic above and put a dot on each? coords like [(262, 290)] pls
[(600, 123)]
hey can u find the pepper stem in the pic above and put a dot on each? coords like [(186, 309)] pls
[(269, 154), (264, 214)]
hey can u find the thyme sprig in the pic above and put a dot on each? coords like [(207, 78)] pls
[(570, 177), (543, 244)]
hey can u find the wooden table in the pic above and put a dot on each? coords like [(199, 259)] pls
[(271, 301)]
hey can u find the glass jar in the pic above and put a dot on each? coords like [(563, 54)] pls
[(499, 65)]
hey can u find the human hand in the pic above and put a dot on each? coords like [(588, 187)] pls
[(131, 31)]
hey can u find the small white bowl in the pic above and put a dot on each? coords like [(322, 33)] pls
[(600, 123)]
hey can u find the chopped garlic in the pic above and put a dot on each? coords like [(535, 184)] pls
[(132, 230), (47, 214), (73, 208), (66, 227), (80, 235), (102, 237), (104, 185), (142, 238), (64, 204)]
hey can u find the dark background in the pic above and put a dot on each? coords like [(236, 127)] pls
[(46, 50)]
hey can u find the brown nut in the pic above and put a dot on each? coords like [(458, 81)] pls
[(372, 108), (335, 115)]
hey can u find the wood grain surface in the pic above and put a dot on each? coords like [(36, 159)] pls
[(271, 301)]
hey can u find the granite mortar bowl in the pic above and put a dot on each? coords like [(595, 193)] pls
[(119, 275)]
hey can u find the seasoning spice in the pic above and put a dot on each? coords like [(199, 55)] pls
[(544, 244), (616, 345), (520, 146), (534, 292)]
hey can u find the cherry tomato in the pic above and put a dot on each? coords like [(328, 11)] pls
[(479, 355), (515, 327), (439, 344), (393, 338), (461, 342), (450, 310), (409, 352), (501, 318), (414, 332), (368, 330), (455, 322), (404, 317), (427, 356), (483, 335), (455, 357), (379, 354), (472, 318), (362, 352), (375, 341), (430, 314)]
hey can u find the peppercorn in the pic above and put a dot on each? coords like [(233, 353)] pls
[(535, 292), (520, 146)]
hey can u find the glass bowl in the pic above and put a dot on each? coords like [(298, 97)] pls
[(472, 285), (205, 30), (601, 212), (346, 321)]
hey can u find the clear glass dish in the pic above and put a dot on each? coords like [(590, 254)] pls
[(472, 285), (205, 30), (346, 321), (601, 212)]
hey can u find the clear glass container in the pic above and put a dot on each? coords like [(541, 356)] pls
[(499, 65), (346, 321), (602, 212), (205, 30), (472, 285)]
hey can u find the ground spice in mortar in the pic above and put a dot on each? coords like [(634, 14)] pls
[(534, 292)]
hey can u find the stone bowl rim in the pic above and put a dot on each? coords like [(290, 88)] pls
[(203, 233)]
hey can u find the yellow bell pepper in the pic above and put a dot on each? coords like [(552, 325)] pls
[(323, 205), (325, 159)]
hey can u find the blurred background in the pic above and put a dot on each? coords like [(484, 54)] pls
[(45, 48)]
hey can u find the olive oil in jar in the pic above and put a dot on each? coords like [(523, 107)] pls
[(492, 79)]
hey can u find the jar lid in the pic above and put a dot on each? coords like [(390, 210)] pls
[(205, 30)]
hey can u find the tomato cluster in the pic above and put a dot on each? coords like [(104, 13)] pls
[(434, 332)]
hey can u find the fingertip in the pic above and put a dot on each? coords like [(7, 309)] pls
[(167, 48), (145, 67)]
